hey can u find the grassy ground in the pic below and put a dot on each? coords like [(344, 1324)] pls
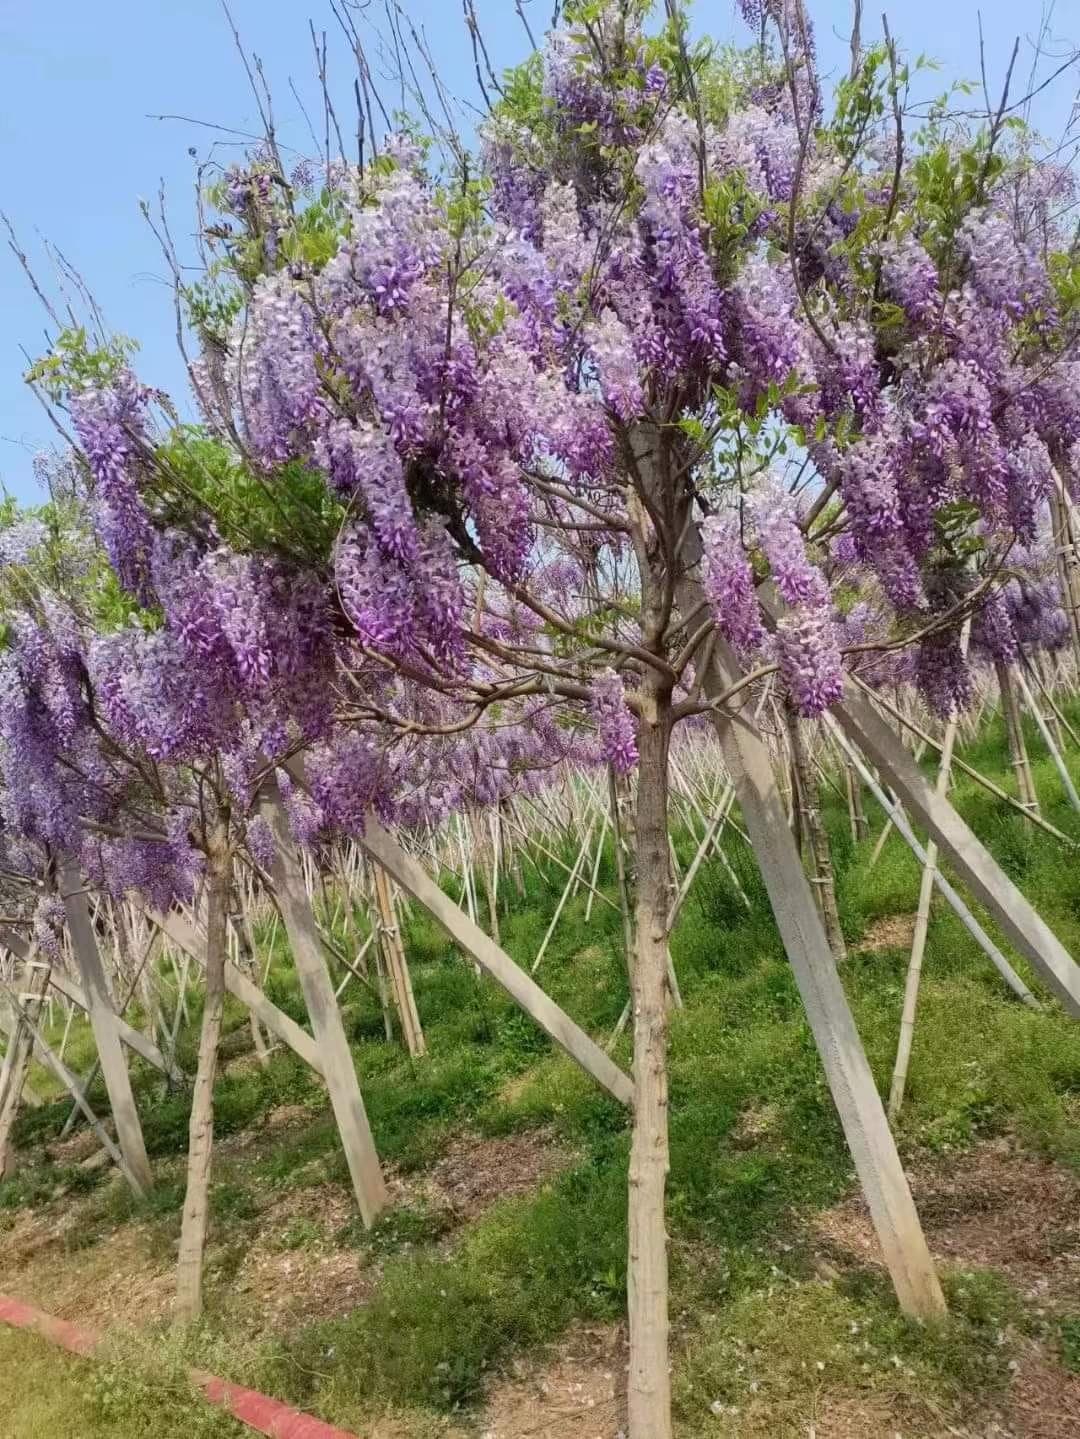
[(507, 1237)]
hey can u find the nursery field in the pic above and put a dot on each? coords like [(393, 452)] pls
[(489, 1298)]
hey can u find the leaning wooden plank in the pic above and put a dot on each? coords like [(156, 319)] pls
[(287, 877), (134, 1038), (967, 856), (959, 908), (184, 935), (523, 990), (847, 1070), (74, 1088), (103, 1021)]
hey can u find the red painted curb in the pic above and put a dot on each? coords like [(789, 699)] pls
[(258, 1411)]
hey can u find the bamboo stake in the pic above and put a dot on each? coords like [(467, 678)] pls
[(1048, 740), (567, 890), (961, 910), (411, 1028), (922, 921), (1014, 731), (865, 713), (71, 1084)]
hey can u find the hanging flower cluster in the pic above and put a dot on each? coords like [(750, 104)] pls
[(504, 404)]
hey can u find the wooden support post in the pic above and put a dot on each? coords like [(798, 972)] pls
[(967, 856), (138, 1042), (71, 1084), (812, 827), (405, 871), (922, 925), (180, 931), (103, 1021), (952, 899), (847, 1070), (287, 876)]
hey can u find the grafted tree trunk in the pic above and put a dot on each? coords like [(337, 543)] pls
[(1014, 731), (659, 511), (809, 806), (189, 1272), (649, 1390)]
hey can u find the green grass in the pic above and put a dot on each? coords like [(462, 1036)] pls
[(755, 1142), (51, 1395)]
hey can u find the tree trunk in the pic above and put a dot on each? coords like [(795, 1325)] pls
[(649, 1391), (193, 1228), (1014, 731), (103, 1021), (809, 805)]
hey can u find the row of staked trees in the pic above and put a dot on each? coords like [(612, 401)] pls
[(691, 380)]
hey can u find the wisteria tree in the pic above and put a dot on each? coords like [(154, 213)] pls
[(580, 435)]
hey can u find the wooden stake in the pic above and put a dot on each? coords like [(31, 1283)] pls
[(340, 1073), (851, 1082), (922, 923), (405, 871), (103, 1021), (967, 856), (398, 968), (961, 910)]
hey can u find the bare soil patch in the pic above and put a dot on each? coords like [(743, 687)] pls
[(112, 1283), (474, 1173), (891, 931), (995, 1206), (577, 1391), (1044, 1399)]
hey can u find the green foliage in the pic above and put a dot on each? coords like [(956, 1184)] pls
[(950, 180), (292, 512), (861, 102), (76, 362), (774, 1342)]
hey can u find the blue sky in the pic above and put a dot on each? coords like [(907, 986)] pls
[(78, 149)]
